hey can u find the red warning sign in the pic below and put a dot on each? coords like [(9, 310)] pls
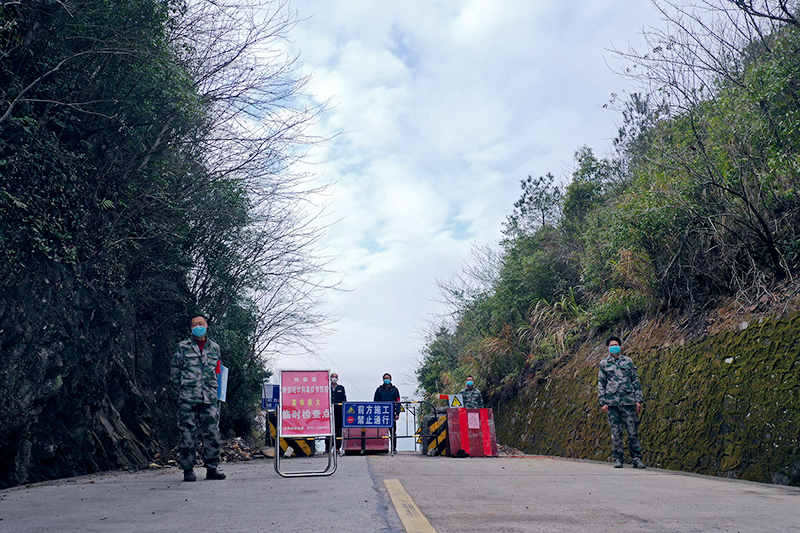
[(305, 403)]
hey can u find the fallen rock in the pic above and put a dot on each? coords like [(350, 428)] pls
[(231, 451)]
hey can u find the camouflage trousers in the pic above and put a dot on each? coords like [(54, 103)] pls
[(198, 419), (624, 416)]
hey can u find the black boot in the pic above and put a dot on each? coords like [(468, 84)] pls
[(188, 475), (213, 473)]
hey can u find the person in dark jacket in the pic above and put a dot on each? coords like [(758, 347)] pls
[(389, 393), (338, 397)]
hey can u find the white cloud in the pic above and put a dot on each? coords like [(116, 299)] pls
[(444, 106)]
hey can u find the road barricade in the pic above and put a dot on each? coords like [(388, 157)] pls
[(471, 430), (365, 440), (434, 430)]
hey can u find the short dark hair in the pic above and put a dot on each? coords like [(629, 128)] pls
[(473, 379), (195, 315), (613, 338), (387, 374)]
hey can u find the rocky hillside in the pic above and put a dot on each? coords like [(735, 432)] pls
[(86, 381)]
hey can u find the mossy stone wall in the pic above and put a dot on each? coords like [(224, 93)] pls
[(727, 405)]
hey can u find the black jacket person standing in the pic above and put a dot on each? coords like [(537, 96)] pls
[(389, 393), (338, 397)]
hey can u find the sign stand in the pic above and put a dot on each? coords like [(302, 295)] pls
[(371, 415), (304, 411)]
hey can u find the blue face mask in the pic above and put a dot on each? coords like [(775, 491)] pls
[(387, 381), (470, 383), (199, 331), (614, 349)]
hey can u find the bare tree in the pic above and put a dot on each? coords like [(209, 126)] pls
[(476, 280), (783, 11), (259, 128)]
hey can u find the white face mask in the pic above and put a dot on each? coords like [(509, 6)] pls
[(334, 380)]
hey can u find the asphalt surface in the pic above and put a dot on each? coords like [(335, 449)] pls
[(547, 494), (252, 498), (530, 493)]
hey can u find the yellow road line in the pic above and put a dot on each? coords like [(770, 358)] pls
[(412, 518)]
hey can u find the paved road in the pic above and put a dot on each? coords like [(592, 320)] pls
[(531, 493), (546, 494), (252, 498)]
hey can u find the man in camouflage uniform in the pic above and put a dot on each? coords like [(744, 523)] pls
[(195, 366), (472, 396), (621, 399)]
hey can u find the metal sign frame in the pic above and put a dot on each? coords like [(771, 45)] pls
[(369, 415), (301, 398)]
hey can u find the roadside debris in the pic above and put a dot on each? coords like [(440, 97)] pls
[(232, 451)]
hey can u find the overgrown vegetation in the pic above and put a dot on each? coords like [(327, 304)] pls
[(698, 202), (146, 151)]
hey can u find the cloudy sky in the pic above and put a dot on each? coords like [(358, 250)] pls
[(444, 106)]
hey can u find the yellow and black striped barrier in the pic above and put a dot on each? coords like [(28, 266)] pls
[(435, 440), (300, 447)]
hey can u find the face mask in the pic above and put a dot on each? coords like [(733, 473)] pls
[(614, 349), (470, 383), (387, 381), (199, 331), (334, 380)]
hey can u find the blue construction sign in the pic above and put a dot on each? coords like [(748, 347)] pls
[(270, 396), (368, 414)]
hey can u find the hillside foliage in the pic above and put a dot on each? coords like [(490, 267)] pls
[(146, 151), (699, 201)]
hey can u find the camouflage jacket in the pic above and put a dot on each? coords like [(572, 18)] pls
[(618, 382), (472, 398), (194, 373)]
